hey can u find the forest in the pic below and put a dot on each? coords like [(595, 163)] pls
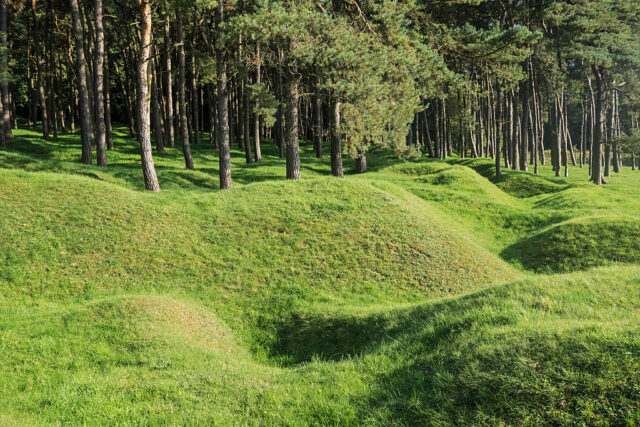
[(506, 79), (430, 215)]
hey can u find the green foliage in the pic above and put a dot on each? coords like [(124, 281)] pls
[(268, 103)]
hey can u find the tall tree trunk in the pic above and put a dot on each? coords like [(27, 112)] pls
[(499, 133), (336, 141), (524, 148), (39, 65), (195, 103), (4, 74), (155, 108), (361, 162), (90, 42), (222, 130), (279, 113), (107, 99), (184, 126), (256, 116), (317, 119), (83, 90), (291, 138), (167, 79), (101, 132), (425, 121), (144, 127), (51, 99), (596, 155), (246, 121)]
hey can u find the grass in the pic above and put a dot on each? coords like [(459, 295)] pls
[(418, 293)]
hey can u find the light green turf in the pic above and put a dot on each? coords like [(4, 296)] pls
[(412, 294)]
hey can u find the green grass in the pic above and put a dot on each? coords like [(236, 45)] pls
[(418, 293)]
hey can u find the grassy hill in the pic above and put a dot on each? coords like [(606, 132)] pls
[(418, 293)]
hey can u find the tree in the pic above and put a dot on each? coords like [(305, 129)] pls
[(142, 104), (184, 129), (4, 77), (222, 134), (101, 133), (83, 90)]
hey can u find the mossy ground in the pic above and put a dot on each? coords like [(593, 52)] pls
[(418, 293)]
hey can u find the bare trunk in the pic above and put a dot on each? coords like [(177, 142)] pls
[(184, 126), (317, 121), (596, 167), (279, 113), (361, 162), (144, 127), (83, 91), (107, 99), (336, 141), (39, 65), (101, 132), (256, 117), (195, 103), (4, 112), (293, 153), (155, 108), (167, 80), (499, 133), (246, 120), (222, 130)]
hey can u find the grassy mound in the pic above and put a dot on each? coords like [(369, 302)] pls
[(380, 299), (472, 202), (579, 244), (549, 350), (518, 184), (262, 250)]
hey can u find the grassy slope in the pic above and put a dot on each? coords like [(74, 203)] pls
[(383, 297)]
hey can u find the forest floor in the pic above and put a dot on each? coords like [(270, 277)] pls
[(423, 292)]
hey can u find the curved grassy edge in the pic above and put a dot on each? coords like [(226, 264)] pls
[(549, 350), (517, 184), (261, 251), (579, 244)]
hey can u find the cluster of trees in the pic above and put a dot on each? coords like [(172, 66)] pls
[(505, 79)]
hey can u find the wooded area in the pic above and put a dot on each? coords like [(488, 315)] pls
[(502, 79)]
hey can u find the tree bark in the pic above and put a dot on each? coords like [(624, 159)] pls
[(144, 128), (246, 120), (4, 111), (184, 126), (39, 68), (336, 141), (256, 116), (83, 90), (155, 108), (596, 167), (167, 82), (361, 162), (101, 132), (222, 130), (279, 113), (291, 138), (317, 120), (195, 103), (498, 133), (107, 99)]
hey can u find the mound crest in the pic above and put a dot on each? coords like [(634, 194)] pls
[(518, 184), (341, 237), (579, 244)]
